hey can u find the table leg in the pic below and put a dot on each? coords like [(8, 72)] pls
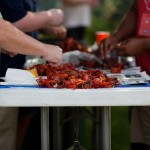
[(57, 137), (106, 127), (45, 128)]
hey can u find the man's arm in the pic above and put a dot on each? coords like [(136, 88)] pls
[(133, 46), (13, 40), (15, 11), (35, 20), (128, 25)]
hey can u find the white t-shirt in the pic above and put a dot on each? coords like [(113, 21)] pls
[(77, 15)]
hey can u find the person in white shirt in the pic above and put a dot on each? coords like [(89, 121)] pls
[(77, 17)]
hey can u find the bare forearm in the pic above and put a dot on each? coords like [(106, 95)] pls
[(16, 41), (36, 20), (127, 28), (146, 43), (32, 21)]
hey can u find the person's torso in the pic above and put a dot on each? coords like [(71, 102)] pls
[(14, 10), (76, 16), (142, 32)]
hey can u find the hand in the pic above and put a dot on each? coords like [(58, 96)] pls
[(56, 17), (106, 46), (130, 47), (53, 54), (58, 31)]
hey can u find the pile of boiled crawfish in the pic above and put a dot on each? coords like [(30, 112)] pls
[(70, 44), (66, 76)]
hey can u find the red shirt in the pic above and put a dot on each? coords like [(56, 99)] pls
[(144, 58)]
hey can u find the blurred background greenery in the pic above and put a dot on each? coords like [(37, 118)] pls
[(106, 17), (120, 128)]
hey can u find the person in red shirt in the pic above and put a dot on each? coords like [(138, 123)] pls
[(132, 38)]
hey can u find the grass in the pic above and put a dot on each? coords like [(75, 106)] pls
[(120, 128)]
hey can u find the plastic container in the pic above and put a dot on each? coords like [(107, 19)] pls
[(100, 35)]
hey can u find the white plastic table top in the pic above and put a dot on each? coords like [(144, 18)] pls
[(80, 97), (44, 97)]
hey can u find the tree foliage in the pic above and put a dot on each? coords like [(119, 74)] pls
[(106, 16)]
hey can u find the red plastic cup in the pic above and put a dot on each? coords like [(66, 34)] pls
[(100, 35)]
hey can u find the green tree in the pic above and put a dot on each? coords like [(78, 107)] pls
[(106, 17)]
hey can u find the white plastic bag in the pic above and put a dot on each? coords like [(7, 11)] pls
[(75, 57)]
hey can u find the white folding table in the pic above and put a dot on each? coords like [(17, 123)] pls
[(45, 98)]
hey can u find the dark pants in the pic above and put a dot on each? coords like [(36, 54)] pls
[(77, 33), (10, 62), (139, 146)]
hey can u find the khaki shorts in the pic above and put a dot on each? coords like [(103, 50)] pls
[(140, 124), (8, 128)]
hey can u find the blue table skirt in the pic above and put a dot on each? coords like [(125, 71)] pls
[(21, 86), (35, 86)]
